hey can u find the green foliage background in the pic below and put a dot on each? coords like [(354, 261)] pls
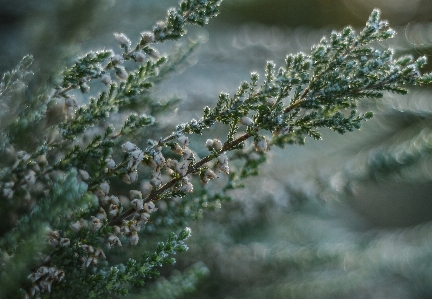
[(346, 217)]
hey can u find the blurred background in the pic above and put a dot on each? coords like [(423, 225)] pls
[(346, 217)]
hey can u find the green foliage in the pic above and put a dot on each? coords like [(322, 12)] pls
[(74, 188)]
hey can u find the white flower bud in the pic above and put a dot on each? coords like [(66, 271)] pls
[(99, 253), (114, 200), (133, 194), (113, 240), (110, 163), (183, 141), (113, 210), (187, 153), (102, 214), (41, 160), (159, 159), (133, 176), (106, 79), (246, 121), (117, 59), (125, 178), (147, 36), (209, 143), (8, 193), (95, 223), (138, 204), (122, 39), (139, 57), (187, 187), (217, 144), (64, 242), (76, 227), (207, 175), (70, 103), (150, 207), (105, 187), (84, 175), (133, 239), (129, 147), (261, 144)]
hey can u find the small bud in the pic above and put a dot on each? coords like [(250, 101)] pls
[(70, 103), (122, 39), (102, 214), (147, 36), (64, 242), (139, 57), (129, 147), (95, 223), (7, 193), (183, 141), (113, 210), (125, 178), (113, 240), (187, 187), (187, 153), (84, 175), (133, 176), (41, 160), (106, 79), (110, 163), (117, 59), (209, 143), (75, 227), (133, 239), (217, 144), (246, 121), (261, 144), (159, 159), (138, 204), (105, 187), (133, 194)]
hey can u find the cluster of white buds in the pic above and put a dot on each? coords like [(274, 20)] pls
[(130, 230), (206, 175), (42, 280), (261, 144), (222, 164), (92, 255), (215, 144), (142, 210), (135, 157)]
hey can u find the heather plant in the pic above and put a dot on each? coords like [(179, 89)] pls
[(100, 199)]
